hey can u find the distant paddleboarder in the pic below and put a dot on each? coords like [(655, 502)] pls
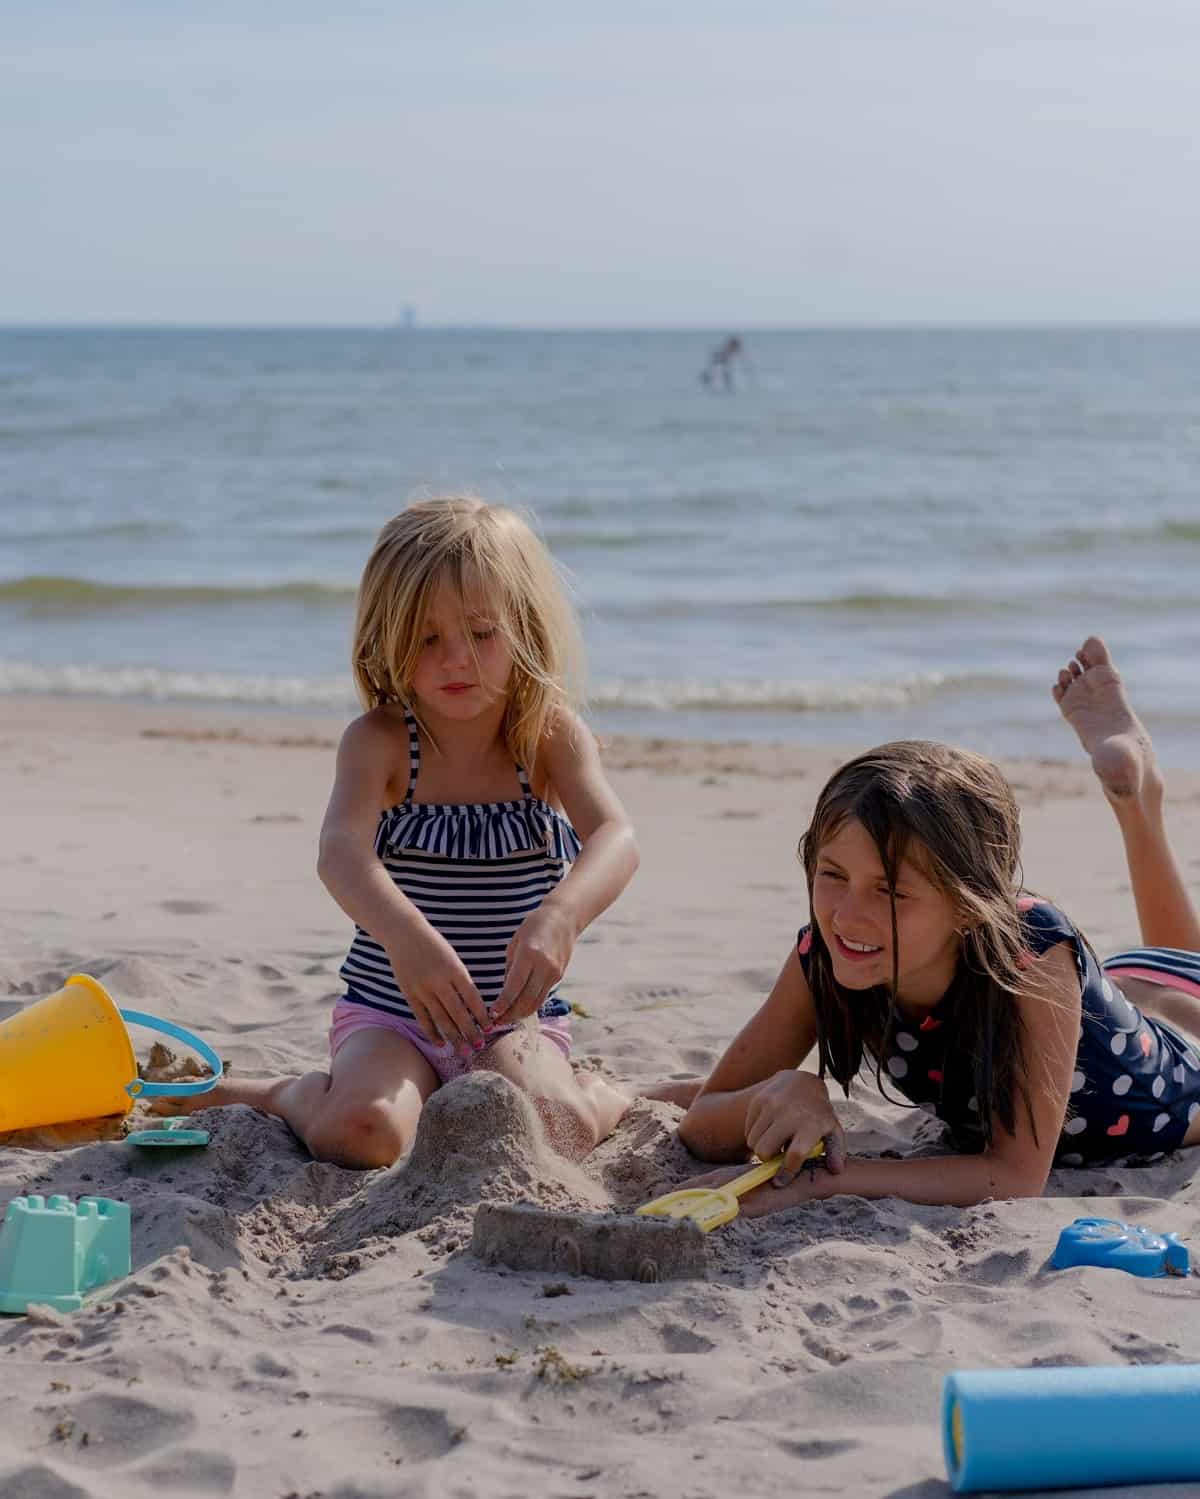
[(722, 362)]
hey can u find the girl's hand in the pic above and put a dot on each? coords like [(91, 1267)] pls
[(806, 1187), (538, 955), (791, 1112), (439, 990)]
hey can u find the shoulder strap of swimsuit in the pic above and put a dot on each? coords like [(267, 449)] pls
[(414, 754), (526, 788)]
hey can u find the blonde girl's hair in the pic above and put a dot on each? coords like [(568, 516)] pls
[(470, 544), (954, 815)]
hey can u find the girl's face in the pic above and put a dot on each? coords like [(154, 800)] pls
[(464, 666), (852, 908)]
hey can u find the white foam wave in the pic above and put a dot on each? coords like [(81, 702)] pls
[(336, 693), (150, 683), (764, 696)]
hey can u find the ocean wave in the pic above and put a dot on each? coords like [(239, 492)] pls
[(634, 539), (46, 593), (160, 686), (782, 606), (337, 693), (123, 530), (51, 594), (768, 696), (1097, 537)]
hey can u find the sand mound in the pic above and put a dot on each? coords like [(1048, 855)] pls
[(479, 1140)]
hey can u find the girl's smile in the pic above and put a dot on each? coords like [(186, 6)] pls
[(855, 952)]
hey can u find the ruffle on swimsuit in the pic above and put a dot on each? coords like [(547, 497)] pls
[(486, 830)]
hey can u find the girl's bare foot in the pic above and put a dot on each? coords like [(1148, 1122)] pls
[(1090, 693)]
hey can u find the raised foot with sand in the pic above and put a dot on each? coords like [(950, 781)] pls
[(1091, 695)]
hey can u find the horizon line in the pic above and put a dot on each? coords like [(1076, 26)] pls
[(397, 329)]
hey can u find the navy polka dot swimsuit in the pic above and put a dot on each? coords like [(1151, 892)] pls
[(1136, 1085)]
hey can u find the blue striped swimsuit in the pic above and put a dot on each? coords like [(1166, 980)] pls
[(474, 871)]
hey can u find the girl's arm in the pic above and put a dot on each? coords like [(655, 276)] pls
[(608, 858), (755, 1100), (1015, 1165), (431, 976)]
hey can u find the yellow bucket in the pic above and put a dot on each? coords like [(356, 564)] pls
[(69, 1057)]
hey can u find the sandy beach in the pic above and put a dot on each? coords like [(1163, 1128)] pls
[(296, 1331)]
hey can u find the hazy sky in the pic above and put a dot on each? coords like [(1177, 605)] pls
[(543, 162)]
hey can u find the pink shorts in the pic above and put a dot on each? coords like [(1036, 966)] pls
[(349, 1017)]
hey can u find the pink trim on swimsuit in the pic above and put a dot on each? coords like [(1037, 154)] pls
[(350, 1017), (1157, 976)]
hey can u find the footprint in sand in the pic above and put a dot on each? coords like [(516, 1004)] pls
[(188, 907), (817, 1447), (656, 996), (679, 1339), (190, 1470), (759, 980), (120, 1429)]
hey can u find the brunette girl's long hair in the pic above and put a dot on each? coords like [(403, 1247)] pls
[(953, 814)]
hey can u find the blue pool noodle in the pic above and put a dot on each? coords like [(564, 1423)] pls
[(1072, 1427)]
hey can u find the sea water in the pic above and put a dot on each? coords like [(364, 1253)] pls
[(870, 535)]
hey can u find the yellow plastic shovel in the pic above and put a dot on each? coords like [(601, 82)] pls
[(710, 1207)]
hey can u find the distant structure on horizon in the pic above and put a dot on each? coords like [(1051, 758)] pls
[(407, 317)]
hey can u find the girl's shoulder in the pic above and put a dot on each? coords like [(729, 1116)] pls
[(1044, 924), (377, 744), (379, 729), (565, 734), (566, 744)]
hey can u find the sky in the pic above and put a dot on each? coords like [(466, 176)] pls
[(543, 163)]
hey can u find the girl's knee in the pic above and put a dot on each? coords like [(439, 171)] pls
[(359, 1136)]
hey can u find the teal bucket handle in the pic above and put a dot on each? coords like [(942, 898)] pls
[(139, 1089)]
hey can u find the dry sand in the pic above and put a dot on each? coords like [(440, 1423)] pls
[(292, 1329)]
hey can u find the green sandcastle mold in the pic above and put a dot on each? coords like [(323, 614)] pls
[(55, 1252)]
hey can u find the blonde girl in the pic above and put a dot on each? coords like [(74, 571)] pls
[(471, 835), (970, 998)]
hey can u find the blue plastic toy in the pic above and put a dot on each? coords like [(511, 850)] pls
[(1015, 1429), (170, 1136), (55, 1252), (1121, 1246)]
